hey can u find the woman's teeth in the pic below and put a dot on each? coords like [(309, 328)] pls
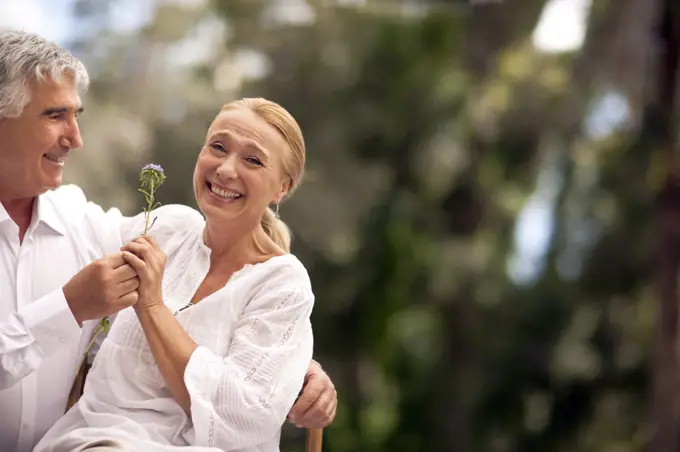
[(55, 158), (226, 194)]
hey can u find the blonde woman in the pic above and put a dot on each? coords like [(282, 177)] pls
[(214, 352)]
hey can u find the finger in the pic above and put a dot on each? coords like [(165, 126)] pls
[(330, 414), (128, 285), (318, 415), (138, 264), (124, 272), (115, 260), (310, 394), (128, 299), (152, 243), (134, 247), (144, 250)]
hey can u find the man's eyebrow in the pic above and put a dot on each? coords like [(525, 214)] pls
[(58, 110)]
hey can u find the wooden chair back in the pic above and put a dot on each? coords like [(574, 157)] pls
[(314, 440)]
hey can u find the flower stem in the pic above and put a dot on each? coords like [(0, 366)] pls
[(146, 223), (97, 330), (149, 206)]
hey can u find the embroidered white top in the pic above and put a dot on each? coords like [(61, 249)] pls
[(255, 345)]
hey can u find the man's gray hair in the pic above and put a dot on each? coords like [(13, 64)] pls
[(26, 58)]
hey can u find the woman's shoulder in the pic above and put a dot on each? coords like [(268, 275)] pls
[(177, 215), (285, 272), (170, 223)]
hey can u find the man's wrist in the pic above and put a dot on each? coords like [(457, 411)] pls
[(69, 298)]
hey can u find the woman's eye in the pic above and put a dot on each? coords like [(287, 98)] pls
[(254, 161), (218, 147)]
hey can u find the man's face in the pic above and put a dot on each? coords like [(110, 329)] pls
[(34, 146)]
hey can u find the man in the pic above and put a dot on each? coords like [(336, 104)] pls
[(57, 276)]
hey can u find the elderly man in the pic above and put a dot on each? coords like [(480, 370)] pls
[(57, 275)]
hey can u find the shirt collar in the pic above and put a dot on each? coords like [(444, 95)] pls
[(43, 212), (47, 214), (4, 216)]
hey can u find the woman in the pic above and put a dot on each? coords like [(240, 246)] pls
[(214, 352)]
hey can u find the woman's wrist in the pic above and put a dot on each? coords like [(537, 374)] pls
[(149, 308)]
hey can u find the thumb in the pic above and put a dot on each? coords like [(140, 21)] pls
[(115, 260)]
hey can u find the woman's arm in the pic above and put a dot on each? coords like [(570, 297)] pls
[(171, 347), (242, 399)]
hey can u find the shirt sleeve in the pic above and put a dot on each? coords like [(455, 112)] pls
[(36, 331), (112, 229), (242, 400)]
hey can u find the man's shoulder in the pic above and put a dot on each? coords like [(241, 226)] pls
[(65, 197)]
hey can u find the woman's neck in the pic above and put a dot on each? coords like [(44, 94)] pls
[(237, 247)]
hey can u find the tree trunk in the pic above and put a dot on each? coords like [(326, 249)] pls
[(658, 126)]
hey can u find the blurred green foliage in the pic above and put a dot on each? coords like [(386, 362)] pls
[(437, 135)]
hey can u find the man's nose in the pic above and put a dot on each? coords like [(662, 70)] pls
[(72, 139)]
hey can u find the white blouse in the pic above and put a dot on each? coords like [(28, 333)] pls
[(255, 345)]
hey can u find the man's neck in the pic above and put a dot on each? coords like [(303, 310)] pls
[(21, 212)]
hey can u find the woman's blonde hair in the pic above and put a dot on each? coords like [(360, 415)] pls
[(293, 163)]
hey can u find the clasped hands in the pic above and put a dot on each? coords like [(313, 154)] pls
[(108, 285), (148, 261)]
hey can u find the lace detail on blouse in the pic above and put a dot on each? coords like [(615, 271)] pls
[(255, 345)]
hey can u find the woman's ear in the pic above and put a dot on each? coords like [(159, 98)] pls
[(285, 188)]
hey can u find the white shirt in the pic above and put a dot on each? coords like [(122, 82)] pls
[(255, 345), (40, 341)]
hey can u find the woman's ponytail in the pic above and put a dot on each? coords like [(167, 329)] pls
[(276, 229)]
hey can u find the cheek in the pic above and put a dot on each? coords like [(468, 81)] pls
[(202, 165), (47, 138)]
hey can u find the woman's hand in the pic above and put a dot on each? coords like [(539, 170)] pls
[(148, 260)]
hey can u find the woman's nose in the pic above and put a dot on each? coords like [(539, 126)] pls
[(227, 169)]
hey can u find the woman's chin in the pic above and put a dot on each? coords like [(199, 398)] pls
[(218, 209)]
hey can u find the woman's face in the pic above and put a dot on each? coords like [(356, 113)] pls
[(239, 171)]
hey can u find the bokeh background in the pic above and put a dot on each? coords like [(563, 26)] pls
[(490, 213)]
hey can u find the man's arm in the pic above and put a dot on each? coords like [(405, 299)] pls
[(33, 333), (318, 402), (48, 324), (40, 329)]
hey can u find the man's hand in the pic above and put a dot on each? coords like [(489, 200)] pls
[(315, 408), (102, 288)]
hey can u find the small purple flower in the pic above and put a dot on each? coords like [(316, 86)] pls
[(151, 177), (153, 166)]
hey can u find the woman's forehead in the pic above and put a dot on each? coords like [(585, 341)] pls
[(245, 123)]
